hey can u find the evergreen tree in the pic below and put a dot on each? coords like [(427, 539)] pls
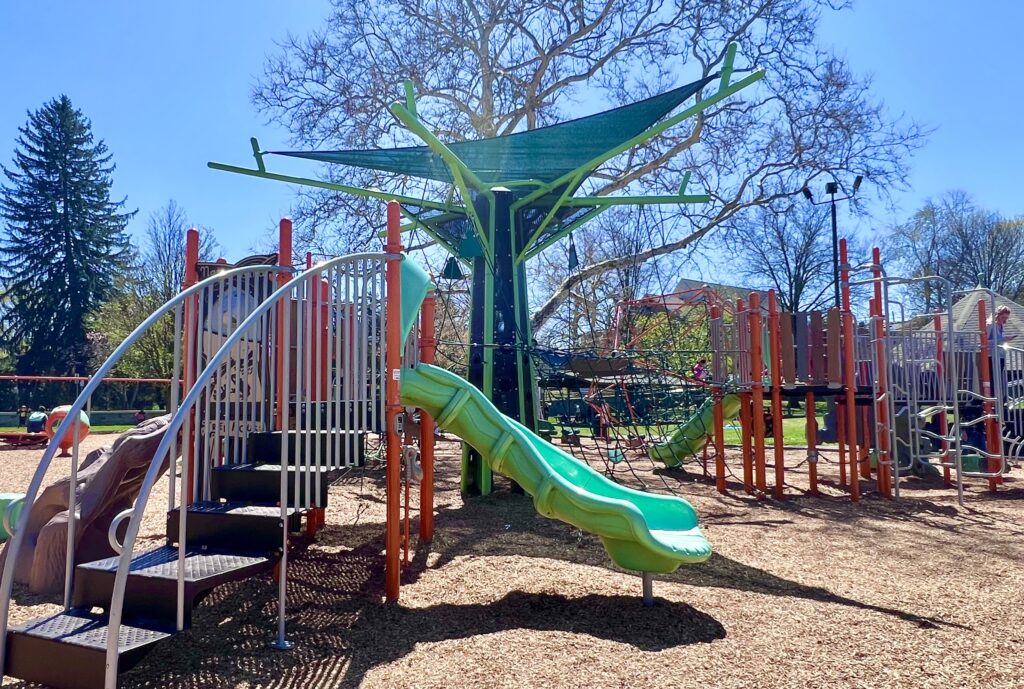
[(64, 242)]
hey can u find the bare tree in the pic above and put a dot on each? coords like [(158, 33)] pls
[(786, 247), (157, 276), (969, 246), (489, 67)]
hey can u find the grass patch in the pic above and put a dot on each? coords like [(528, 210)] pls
[(116, 428)]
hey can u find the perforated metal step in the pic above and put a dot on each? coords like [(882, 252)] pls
[(233, 527), (68, 650), (261, 483), (151, 593), (349, 447)]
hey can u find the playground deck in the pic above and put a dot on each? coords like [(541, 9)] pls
[(806, 593)]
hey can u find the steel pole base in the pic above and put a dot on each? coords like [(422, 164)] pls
[(282, 645), (648, 580)]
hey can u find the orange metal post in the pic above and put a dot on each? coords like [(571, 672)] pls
[(393, 370), (882, 376), (992, 439), (718, 416), (326, 356), (774, 351), (812, 443), (849, 378), (284, 260), (191, 318), (428, 342), (745, 424), (757, 392), (940, 379)]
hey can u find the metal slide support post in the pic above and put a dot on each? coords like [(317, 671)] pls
[(774, 347), (757, 393), (392, 376), (849, 374), (648, 587), (988, 364), (428, 342)]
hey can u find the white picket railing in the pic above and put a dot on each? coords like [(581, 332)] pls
[(198, 304), (337, 387)]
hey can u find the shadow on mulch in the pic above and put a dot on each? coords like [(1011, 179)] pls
[(502, 524), (722, 572), (342, 631)]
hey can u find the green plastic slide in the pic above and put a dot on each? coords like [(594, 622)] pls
[(688, 440), (640, 531)]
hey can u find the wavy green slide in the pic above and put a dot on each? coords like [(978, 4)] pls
[(640, 531), (688, 440)]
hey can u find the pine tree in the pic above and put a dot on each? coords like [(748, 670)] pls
[(64, 242)]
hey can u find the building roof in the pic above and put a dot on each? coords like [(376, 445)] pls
[(965, 313), (729, 293)]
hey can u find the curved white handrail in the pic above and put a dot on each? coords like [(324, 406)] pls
[(112, 529), (14, 545), (215, 362)]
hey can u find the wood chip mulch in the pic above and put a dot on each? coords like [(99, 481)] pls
[(806, 593)]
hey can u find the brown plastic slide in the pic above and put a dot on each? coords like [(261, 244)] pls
[(108, 482)]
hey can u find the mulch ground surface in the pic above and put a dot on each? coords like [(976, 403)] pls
[(805, 592)]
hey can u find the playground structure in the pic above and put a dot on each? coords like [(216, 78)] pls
[(908, 395), (286, 376), (281, 376)]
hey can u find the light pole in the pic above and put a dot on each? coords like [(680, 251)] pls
[(832, 188)]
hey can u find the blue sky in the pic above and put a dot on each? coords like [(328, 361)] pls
[(954, 67), (167, 86)]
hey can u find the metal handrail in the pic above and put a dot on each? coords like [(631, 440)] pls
[(14, 545), (112, 529), (202, 379)]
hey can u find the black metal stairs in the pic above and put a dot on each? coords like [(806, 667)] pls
[(235, 536)]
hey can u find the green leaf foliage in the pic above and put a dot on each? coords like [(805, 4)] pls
[(63, 244)]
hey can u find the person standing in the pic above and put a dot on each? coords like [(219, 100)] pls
[(700, 370), (997, 337)]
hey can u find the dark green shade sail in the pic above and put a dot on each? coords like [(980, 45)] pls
[(543, 154)]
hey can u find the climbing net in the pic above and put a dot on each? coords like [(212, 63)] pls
[(609, 404)]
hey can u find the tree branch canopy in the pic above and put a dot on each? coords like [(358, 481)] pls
[(488, 67)]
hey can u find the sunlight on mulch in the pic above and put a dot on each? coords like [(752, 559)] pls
[(808, 593)]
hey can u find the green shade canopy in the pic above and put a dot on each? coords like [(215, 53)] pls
[(542, 155)]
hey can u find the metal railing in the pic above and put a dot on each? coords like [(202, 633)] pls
[(197, 305), (335, 386)]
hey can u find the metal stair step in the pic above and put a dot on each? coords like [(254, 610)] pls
[(261, 483), (233, 526), (151, 592), (68, 650), (349, 446)]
